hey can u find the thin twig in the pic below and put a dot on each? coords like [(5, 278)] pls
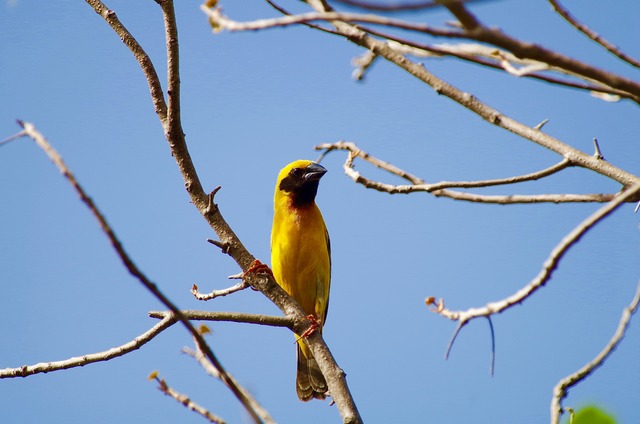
[(138, 52), (218, 293), (563, 386), (612, 48), (214, 372), (168, 320), (396, 7), (439, 189), (548, 267), (496, 37), (163, 386), (310, 25), (221, 22)]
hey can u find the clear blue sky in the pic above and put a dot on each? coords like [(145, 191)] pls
[(253, 102)]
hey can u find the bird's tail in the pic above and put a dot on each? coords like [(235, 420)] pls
[(310, 382)]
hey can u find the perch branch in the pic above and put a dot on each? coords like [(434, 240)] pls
[(335, 376), (273, 321), (561, 389)]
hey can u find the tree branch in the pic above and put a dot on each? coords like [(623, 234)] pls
[(54, 156), (163, 386), (474, 30), (561, 389), (336, 378), (138, 52), (547, 268), (477, 31), (214, 372), (45, 367), (218, 293), (240, 317), (612, 48), (439, 189)]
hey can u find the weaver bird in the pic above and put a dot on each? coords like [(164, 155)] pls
[(301, 260)]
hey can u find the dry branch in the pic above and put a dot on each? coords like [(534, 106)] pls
[(336, 378), (164, 387), (560, 390), (547, 268), (440, 189), (167, 321)]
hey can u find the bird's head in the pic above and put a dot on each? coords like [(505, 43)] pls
[(299, 181)]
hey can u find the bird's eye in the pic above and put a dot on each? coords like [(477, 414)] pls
[(297, 172)]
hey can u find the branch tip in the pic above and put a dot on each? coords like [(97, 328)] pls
[(541, 124), (223, 245), (598, 153)]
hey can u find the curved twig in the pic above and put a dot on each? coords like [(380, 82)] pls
[(560, 390), (138, 52), (167, 321), (183, 399), (218, 293), (547, 268), (440, 189)]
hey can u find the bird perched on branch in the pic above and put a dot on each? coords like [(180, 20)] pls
[(301, 260)]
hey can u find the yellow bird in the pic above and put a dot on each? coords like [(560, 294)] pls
[(301, 259)]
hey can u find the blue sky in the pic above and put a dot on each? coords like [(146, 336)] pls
[(252, 102)]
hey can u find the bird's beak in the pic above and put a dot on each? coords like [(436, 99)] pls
[(314, 172)]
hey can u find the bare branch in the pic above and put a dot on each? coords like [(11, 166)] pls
[(397, 7), (439, 189), (335, 376), (287, 13), (138, 52), (543, 57), (240, 317), (358, 36), (612, 48), (221, 22), (30, 130), (218, 293), (477, 31), (167, 321), (163, 386), (547, 268), (561, 389), (214, 372), (493, 57)]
